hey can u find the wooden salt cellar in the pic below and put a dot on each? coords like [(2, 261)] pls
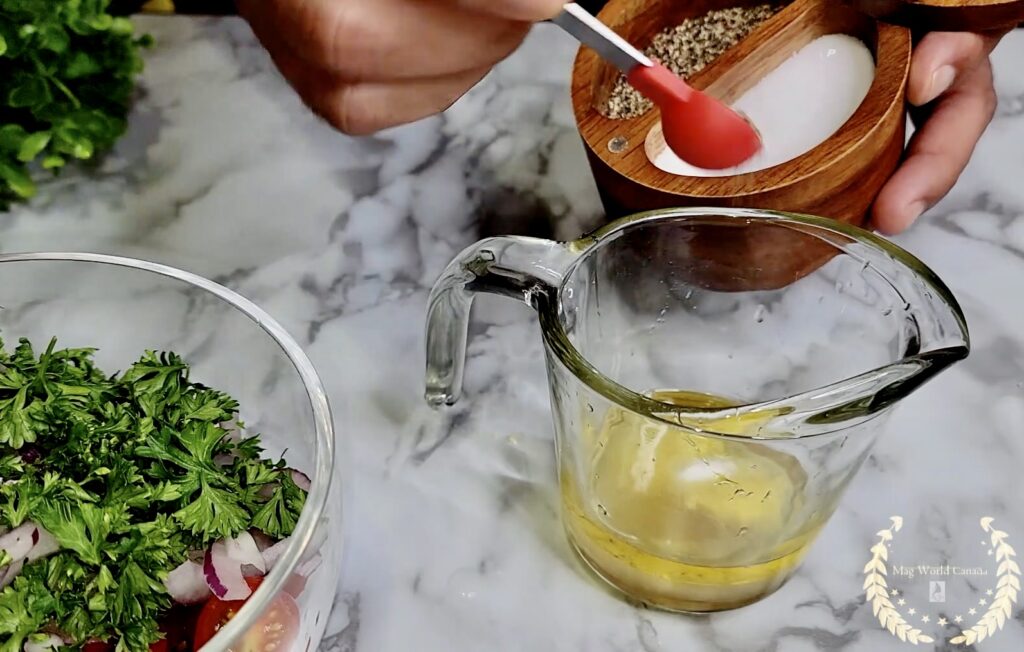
[(838, 179)]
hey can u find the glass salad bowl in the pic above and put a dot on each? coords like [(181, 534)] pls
[(122, 308)]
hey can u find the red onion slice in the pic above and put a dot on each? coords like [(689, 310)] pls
[(273, 554), (224, 575), (301, 480), (187, 584), (49, 642), (243, 549), (248, 570), (44, 545), (27, 543), (18, 542)]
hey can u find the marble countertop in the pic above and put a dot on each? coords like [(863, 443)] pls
[(455, 542)]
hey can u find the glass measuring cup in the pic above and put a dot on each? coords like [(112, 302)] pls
[(717, 378)]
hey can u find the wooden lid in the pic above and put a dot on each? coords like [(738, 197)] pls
[(946, 15)]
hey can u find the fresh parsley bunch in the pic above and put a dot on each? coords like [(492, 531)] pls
[(129, 474), (67, 73)]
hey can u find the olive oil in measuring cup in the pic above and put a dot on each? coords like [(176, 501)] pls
[(683, 521)]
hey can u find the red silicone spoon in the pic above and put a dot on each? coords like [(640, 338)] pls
[(700, 129)]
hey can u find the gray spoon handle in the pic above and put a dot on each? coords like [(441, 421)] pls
[(590, 31)]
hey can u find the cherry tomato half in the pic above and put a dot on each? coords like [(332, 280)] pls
[(276, 629), (178, 626)]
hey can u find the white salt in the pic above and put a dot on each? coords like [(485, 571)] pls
[(795, 107)]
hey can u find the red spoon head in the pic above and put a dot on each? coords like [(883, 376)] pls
[(700, 129)]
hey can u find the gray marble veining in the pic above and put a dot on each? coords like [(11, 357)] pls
[(455, 542)]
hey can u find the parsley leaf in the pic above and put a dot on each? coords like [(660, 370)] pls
[(83, 528), (24, 607), (214, 514), (278, 516), (16, 426)]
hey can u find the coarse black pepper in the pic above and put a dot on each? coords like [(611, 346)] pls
[(688, 48)]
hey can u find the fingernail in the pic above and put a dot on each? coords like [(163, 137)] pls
[(942, 79)]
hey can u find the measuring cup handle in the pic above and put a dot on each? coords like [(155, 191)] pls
[(523, 268)]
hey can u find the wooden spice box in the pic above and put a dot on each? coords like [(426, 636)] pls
[(837, 179)]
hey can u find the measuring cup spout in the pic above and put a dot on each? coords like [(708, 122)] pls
[(528, 269), (931, 334), (933, 329), (939, 338)]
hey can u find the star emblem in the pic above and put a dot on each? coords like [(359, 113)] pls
[(942, 622), (925, 618), (989, 553), (897, 592), (958, 619), (982, 601), (901, 602), (972, 611), (912, 611), (989, 592), (984, 543)]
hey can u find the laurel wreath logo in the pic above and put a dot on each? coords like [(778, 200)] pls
[(877, 589), (1007, 586)]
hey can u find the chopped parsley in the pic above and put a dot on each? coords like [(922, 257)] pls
[(129, 473), (67, 76)]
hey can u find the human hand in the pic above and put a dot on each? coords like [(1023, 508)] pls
[(364, 65), (951, 83)]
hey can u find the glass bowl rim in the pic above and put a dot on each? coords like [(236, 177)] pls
[(324, 448)]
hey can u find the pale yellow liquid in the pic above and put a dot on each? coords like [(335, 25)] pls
[(684, 522)]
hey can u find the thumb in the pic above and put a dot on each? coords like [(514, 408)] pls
[(940, 58)]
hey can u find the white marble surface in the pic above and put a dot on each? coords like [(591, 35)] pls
[(454, 536)]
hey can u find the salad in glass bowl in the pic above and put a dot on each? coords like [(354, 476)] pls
[(166, 465)]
